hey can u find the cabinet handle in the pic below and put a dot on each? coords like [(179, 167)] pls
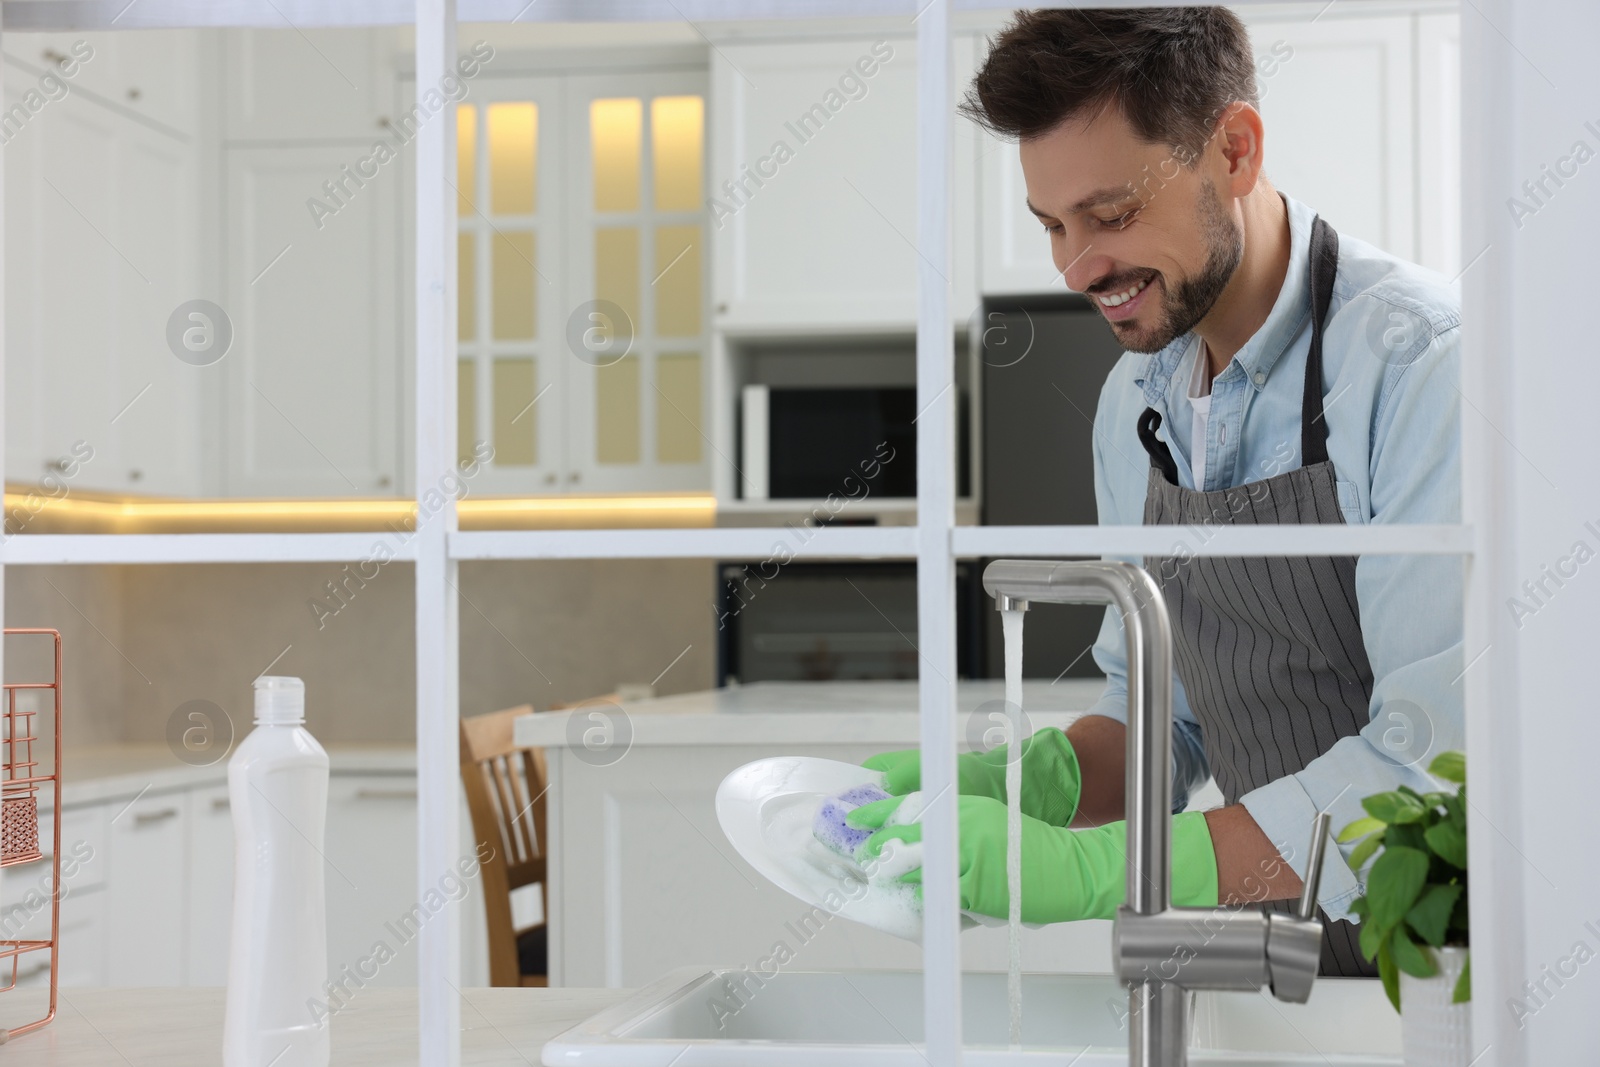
[(573, 476), (386, 794), (53, 56), (219, 803), (146, 818), (549, 479)]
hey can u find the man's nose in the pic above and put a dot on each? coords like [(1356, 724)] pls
[(1081, 266)]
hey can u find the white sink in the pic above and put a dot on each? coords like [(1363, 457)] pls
[(698, 1016)]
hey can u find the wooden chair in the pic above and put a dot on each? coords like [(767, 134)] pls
[(505, 794)]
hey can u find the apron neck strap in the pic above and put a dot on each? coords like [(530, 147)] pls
[(1324, 265), (1160, 454)]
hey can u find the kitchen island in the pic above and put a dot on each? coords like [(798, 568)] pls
[(643, 880)]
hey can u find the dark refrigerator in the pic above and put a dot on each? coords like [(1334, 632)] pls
[(1043, 359)]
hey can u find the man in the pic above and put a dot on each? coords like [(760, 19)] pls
[(1277, 372)]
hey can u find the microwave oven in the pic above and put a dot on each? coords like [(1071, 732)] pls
[(805, 442)]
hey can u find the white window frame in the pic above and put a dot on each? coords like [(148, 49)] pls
[(1486, 537)]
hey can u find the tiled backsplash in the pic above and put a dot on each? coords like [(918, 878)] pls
[(141, 640)]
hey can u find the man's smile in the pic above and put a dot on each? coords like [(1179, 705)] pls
[(1122, 304)]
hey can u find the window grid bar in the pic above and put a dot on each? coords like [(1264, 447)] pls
[(936, 596), (437, 603), (745, 542)]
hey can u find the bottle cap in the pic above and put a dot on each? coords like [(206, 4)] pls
[(280, 700)]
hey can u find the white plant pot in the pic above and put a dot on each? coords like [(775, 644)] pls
[(1435, 1032)]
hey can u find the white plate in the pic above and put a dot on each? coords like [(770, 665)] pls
[(766, 809)]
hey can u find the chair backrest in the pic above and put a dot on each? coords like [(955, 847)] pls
[(509, 785), (505, 787)]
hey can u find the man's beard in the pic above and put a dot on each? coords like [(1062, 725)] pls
[(1183, 308)]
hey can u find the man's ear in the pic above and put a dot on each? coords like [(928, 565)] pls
[(1240, 136)]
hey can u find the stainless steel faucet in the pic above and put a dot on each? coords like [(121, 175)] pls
[(1162, 952)]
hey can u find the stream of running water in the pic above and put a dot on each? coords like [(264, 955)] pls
[(1011, 627)]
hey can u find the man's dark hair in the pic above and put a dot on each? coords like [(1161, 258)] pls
[(1172, 70)]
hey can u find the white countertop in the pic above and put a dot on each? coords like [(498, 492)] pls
[(94, 773), (846, 713), (183, 1027)]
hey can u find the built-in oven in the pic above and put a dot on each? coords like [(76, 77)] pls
[(832, 621)]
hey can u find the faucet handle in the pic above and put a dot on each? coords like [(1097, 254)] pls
[(1294, 941), (1313, 879)]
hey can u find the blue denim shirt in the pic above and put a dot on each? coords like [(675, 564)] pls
[(1390, 360)]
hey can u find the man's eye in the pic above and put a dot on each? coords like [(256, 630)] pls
[(1119, 221), (1053, 227)]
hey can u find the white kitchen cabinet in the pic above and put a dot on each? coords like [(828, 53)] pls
[(814, 215), (83, 937), (85, 841), (25, 900), (1439, 145), (294, 85), (147, 937), (311, 381), (85, 924), (152, 75), (148, 885), (102, 205), (371, 847), (1337, 101), (210, 885), (372, 887), (1013, 247)]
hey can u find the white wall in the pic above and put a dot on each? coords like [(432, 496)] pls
[(1532, 92)]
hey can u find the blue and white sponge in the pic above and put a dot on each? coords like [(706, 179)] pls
[(829, 826)]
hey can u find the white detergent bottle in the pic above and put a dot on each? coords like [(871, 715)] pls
[(278, 959)]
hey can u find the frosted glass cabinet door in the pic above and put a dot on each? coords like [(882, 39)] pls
[(310, 406), (511, 348), (635, 358)]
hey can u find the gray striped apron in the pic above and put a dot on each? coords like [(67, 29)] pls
[(1269, 649)]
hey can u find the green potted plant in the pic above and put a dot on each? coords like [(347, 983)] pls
[(1414, 911)]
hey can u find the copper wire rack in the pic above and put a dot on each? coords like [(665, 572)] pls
[(25, 776)]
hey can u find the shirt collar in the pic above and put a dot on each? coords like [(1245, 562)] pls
[(1284, 322), (1199, 372)]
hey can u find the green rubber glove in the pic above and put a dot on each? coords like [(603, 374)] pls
[(1050, 776), (1066, 874)]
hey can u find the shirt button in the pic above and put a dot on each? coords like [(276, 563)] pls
[(1260, 377)]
